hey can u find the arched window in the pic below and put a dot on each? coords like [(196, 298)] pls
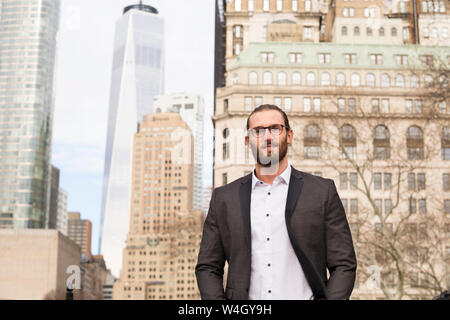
[(356, 80), (347, 142), (369, 32), (325, 80), (381, 32), (394, 32), (344, 31), (370, 80), (267, 78), (414, 143), (312, 141), (385, 80), (296, 78), (414, 81), (428, 80), (340, 79), (311, 79), (253, 78), (445, 143), (282, 78), (381, 143), (356, 31), (400, 80)]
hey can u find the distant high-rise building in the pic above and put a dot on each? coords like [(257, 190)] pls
[(162, 245), (54, 191), (61, 219), (191, 109), (27, 63), (137, 76), (80, 231)]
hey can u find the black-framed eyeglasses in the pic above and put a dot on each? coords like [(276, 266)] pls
[(275, 130)]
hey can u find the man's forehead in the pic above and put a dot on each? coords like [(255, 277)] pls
[(266, 118)]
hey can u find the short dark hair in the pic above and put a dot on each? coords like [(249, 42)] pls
[(269, 107)]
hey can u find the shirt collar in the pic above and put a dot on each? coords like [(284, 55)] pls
[(285, 176)]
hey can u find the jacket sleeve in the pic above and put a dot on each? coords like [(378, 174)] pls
[(341, 258), (211, 258)]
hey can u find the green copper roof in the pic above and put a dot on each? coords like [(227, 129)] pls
[(251, 56)]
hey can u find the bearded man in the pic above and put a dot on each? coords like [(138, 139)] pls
[(279, 229)]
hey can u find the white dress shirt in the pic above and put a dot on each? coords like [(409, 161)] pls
[(276, 273)]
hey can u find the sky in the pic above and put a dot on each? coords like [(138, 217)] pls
[(82, 87)]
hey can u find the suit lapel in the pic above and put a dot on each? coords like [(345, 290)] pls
[(294, 191), (245, 194)]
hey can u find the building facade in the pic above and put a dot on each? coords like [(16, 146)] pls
[(162, 245), (367, 100), (137, 76), (80, 231), (34, 264), (191, 108), (28, 32), (61, 220)]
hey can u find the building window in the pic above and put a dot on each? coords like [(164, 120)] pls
[(277, 101), (353, 206), (253, 78), (377, 181), (295, 58), (296, 78), (224, 179), (414, 81), (266, 5), (238, 39), (341, 105), (393, 32), (307, 33), (376, 59), (369, 32), (316, 103), (237, 5), (225, 105), (325, 79), (267, 78), (418, 106), (401, 60), (405, 31), (385, 105), (251, 5), (307, 104), (350, 58), (385, 80), (445, 143), (279, 5), (324, 58), (381, 143), (446, 182), (381, 32), (258, 101), (370, 80), (347, 142), (267, 57), (282, 78), (307, 5), (225, 151), (356, 31), (311, 79), (375, 105), (343, 181), (387, 179), (351, 105), (447, 206), (287, 104), (414, 143), (400, 81), (248, 103), (343, 30), (312, 142), (356, 80), (294, 5), (340, 80)]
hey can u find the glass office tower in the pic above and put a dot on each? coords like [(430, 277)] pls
[(137, 76), (28, 33)]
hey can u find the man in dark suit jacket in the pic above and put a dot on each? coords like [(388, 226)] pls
[(284, 253)]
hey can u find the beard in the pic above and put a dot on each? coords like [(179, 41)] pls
[(266, 158)]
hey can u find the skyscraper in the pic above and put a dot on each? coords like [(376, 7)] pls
[(191, 109), (137, 76), (162, 245), (28, 32)]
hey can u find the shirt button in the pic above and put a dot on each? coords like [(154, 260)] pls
[(268, 264), (270, 291), (268, 239), (268, 193), (267, 215)]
